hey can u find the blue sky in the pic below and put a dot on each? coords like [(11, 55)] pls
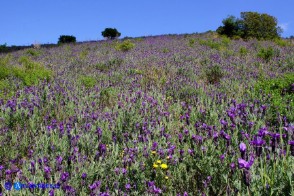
[(25, 22)]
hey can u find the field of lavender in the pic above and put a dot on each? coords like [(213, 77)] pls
[(191, 114)]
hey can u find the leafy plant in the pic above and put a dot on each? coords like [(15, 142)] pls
[(281, 90), (125, 46), (214, 74), (266, 53), (88, 81), (243, 51), (33, 52), (108, 97)]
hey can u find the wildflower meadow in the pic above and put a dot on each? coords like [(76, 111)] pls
[(190, 114)]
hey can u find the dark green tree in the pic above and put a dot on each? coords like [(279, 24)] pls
[(260, 26), (66, 39), (110, 33), (231, 27), (251, 25)]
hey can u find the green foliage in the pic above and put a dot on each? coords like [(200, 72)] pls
[(33, 52), (63, 39), (111, 64), (214, 74), (83, 54), (243, 51), (251, 25), (226, 41), (191, 42), (108, 97), (210, 43), (281, 90), (281, 42), (88, 81), (5, 71), (165, 50), (3, 48), (30, 73), (231, 27), (266, 53), (110, 33), (185, 93), (135, 71), (125, 46), (260, 26)]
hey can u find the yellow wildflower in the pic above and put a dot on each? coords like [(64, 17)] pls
[(158, 161), (163, 166), (155, 165), (153, 152), (166, 177)]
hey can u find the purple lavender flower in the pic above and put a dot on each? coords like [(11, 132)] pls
[(47, 172), (242, 148), (258, 142), (128, 186), (222, 157), (123, 171), (96, 185), (244, 164), (51, 192), (233, 166), (64, 176), (154, 146)]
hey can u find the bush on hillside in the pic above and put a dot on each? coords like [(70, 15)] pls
[(63, 39), (125, 46)]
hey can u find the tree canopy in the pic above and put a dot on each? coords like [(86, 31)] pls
[(251, 25), (110, 33)]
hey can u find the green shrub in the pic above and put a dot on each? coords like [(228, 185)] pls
[(4, 84), (191, 42), (135, 71), (282, 95), (63, 39), (83, 55), (102, 67), (214, 74), (125, 46), (281, 42), (226, 41), (5, 89), (243, 51), (266, 53), (165, 50), (31, 72), (4, 72), (108, 97), (33, 52), (88, 81), (211, 44), (111, 64)]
